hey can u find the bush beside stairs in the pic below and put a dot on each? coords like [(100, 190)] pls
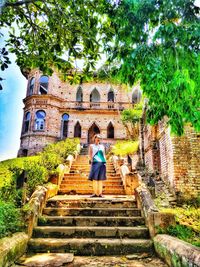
[(74, 222)]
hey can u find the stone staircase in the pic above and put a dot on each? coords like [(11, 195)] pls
[(76, 182), (112, 225)]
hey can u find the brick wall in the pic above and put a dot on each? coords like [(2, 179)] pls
[(186, 159), (176, 158)]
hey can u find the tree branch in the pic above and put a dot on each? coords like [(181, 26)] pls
[(20, 3)]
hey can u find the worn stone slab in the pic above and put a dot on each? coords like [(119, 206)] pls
[(48, 260), (117, 261), (176, 252)]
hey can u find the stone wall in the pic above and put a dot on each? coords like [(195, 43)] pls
[(175, 158)]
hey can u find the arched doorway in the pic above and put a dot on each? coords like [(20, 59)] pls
[(94, 129), (77, 130), (110, 130)]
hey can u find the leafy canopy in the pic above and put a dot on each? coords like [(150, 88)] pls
[(155, 42)]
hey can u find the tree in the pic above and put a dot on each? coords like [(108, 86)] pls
[(130, 119), (155, 42), (41, 33)]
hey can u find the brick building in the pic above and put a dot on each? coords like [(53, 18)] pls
[(55, 110)]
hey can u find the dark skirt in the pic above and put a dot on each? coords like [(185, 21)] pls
[(98, 171)]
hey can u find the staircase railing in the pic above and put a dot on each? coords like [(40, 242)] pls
[(37, 202), (133, 185)]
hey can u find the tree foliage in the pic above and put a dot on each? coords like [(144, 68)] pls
[(49, 30), (124, 148), (155, 42), (130, 118)]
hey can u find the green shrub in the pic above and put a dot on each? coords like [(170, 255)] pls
[(187, 225), (180, 231), (124, 148), (36, 175), (55, 154), (10, 219)]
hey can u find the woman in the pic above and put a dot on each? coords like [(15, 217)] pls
[(98, 168)]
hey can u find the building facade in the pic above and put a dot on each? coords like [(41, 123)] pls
[(55, 110)]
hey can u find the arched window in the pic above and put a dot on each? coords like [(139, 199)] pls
[(95, 96), (111, 96), (44, 80), (77, 130), (27, 122), (40, 120), (64, 125), (136, 96), (79, 95), (110, 130), (31, 86)]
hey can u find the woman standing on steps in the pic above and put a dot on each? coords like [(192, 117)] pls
[(98, 166)]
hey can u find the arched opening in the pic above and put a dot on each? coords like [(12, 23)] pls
[(94, 129), (64, 125), (79, 95), (31, 86), (40, 120), (111, 96), (95, 96), (24, 153), (77, 130), (43, 89), (136, 96), (27, 122), (110, 130)]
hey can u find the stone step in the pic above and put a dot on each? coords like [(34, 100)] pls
[(88, 166), (90, 232), (129, 212), (91, 246), (85, 179), (87, 170), (87, 202), (78, 175), (90, 221), (89, 191), (88, 185), (87, 182)]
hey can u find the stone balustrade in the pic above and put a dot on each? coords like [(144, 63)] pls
[(133, 185), (154, 219), (96, 105), (176, 252)]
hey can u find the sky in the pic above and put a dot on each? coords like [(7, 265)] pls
[(11, 109)]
